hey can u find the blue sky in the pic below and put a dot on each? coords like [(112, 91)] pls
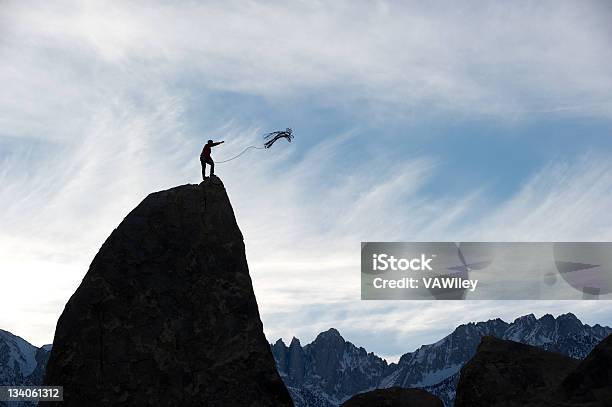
[(484, 121)]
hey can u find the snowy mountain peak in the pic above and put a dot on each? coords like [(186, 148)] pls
[(526, 319), (17, 352), (548, 318), (569, 319), (19, 360), (331, 333)]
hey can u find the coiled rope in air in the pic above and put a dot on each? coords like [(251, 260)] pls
[(270, 139)]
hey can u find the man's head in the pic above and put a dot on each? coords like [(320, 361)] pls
[(209, 142)]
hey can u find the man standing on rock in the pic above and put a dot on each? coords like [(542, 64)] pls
[(205, 158)]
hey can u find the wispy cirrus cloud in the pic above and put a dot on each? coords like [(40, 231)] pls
[(507, 60), (97, 110)]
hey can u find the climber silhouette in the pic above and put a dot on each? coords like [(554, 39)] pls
[(205, 158)]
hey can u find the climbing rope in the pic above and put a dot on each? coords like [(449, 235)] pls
[(270, 139), (236, 156)]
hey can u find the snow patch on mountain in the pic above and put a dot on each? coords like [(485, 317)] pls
[(437, 376), (389, 380)]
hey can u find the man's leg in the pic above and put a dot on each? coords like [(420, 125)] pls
[(203, 169), (210, 162)]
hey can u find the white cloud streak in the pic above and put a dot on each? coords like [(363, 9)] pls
[(506, 60), (92, 118)]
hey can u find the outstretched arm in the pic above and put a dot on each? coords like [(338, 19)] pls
[(216, 144)]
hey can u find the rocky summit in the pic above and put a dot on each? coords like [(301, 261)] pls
[(166, 314)]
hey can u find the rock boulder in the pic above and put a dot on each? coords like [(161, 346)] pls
[(166, 314)]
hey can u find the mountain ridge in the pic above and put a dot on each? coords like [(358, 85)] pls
[(435, 367), (543, 331)]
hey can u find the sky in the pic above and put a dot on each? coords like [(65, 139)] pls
[(413, 122)]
